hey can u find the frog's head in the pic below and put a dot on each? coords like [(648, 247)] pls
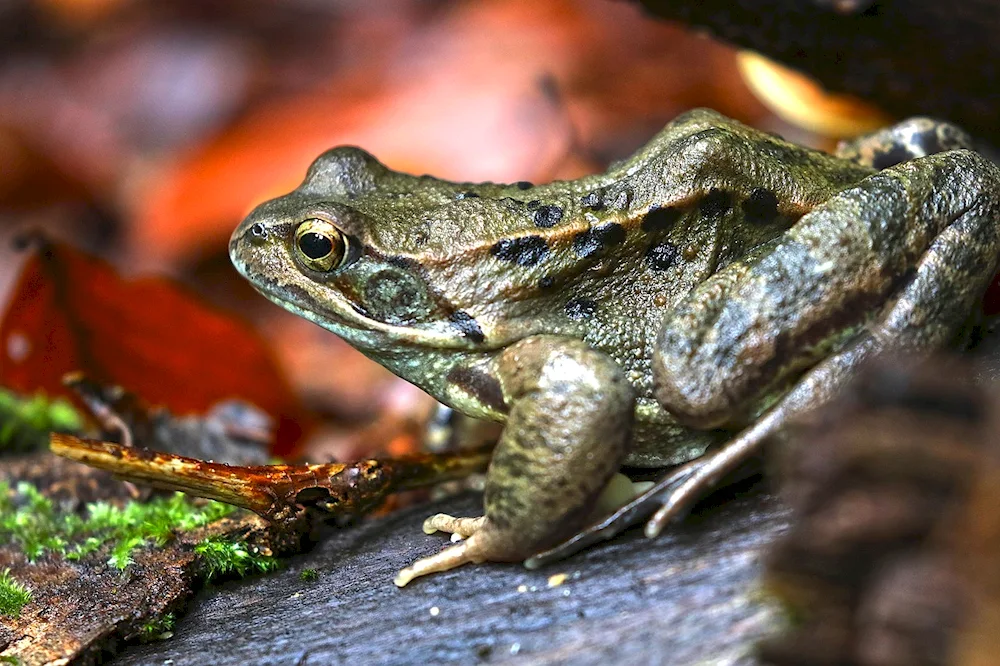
[(345, 251)]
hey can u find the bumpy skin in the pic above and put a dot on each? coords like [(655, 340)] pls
[(719, 279)]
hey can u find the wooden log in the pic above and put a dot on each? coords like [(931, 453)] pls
[(911, 57)]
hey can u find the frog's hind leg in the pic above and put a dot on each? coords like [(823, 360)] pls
[(567, 431), (924, 313)]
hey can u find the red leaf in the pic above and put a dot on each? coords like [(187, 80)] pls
[(71, 311)]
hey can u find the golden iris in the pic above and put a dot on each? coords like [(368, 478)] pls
[(320, 245)]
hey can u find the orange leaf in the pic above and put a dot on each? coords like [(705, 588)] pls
[(71, 311)]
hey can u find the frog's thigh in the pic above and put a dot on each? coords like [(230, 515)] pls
[(752, 327), (566, 435), (924, 315)]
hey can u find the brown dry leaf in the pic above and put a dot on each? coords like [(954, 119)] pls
[(73, 312)]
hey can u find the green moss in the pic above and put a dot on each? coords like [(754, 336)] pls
[(308, 575), (159, 629), (25, 423), (11, 659), (13, 595), (30, 521), (224, 557)]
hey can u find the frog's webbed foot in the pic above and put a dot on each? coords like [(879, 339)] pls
[(629, 514)]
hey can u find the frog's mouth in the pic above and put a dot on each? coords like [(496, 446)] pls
[(341, 316), (273, 276)]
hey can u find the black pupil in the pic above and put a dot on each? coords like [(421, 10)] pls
[(315, 246)]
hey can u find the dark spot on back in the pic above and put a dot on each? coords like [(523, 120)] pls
[(661, 256), (522, 250), (523, 185), (468, 326), (548, 216), (622, 200), (927, 142), (466, 195), (406, 263), (580, 308), (533, 204), (897, 154), (546, 282), (482, 386), (716, 202), (761, 206), (660, 219), (593, 201), (595, 240)]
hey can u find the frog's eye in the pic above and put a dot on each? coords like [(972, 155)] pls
[(320, 246)]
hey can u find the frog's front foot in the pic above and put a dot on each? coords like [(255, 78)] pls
[(477, 547)]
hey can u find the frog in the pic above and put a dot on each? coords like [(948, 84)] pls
[(676, 311)]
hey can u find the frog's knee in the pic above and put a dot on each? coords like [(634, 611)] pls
[(689, 394), (706, 350)]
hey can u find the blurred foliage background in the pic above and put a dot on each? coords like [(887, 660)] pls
[(143, 131)]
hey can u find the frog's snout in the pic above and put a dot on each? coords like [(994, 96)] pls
[(234, 243), (243, 239)]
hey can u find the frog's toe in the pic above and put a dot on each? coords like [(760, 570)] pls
[(485, 542), (442, 522), (465, 552)]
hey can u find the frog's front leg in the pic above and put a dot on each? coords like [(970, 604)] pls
[(567, 433)]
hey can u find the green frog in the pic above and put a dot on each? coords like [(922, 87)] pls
[(676, 310)]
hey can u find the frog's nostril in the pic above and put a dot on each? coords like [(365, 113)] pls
[(258, 233)]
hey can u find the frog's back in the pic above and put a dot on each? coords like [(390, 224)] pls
[(601, 258)]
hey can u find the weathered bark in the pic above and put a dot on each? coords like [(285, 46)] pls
[(689, 596)]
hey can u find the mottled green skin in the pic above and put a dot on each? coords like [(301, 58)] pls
[(668, 304)]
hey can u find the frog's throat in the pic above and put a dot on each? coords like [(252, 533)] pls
[(365, 333)]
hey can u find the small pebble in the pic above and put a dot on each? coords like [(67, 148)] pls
[(558, 579)]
